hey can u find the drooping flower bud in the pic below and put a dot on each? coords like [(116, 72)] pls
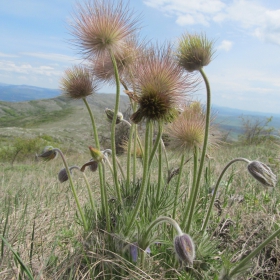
[(48, 153), (62, 175), (96, 154), (92, 164), (110, 115), (262, 173), (184, 248)]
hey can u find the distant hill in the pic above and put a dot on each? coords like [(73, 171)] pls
[(29, 106), (18, 93)]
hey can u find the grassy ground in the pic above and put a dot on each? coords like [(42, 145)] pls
[(38, 214)]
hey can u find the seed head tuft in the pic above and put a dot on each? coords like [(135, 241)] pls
[(187, 131), (78, 83), (102, 25), (194, 51), (160, 86)]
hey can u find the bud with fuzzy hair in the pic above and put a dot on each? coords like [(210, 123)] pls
[(48, 153), (262, 173), (184, 248), (96, 154), (110, 116)]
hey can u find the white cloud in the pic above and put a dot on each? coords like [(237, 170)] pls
[(9, 66), (54, 57), (253, 17), (225, 45), (188, 12), (7, 55)]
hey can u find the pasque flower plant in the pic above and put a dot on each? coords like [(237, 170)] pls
[(159, 84)]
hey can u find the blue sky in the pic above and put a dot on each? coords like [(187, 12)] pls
[(35, 44)]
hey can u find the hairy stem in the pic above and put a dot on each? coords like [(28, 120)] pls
[(203, 153)]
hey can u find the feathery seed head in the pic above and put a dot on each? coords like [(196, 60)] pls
[(103, 68), (184, 248), (194, 51), (160, 85), (78, 83), (103, 25), (187, 131), (262, 173)]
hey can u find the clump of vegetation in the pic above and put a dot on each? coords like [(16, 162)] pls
[(152, 216), (24, 149), (255, 131)]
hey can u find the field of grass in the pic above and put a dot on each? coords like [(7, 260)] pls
[(42, 228)]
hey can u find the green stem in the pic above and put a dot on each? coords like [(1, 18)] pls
[(216, 189), (128, 161), (159, 173), (242, 264), (165, 155), (144, 179), (191, 194), (73, 188), (156, 143), (106, 208), (100, 170), (113, 127), (144, 242), (88, 187), (203, 153), (93, 124), (178, 185)]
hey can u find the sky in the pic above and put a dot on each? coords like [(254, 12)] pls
[(36, 44)]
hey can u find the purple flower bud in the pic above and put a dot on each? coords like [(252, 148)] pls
[(134, 252), (184, 248), (62, 175)]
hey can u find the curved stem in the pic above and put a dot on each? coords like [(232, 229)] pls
[(88, 187), (73, 188), (203, 153), (216, 188), (144, 179), (113, 126), (156, 222), (93, 124)]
